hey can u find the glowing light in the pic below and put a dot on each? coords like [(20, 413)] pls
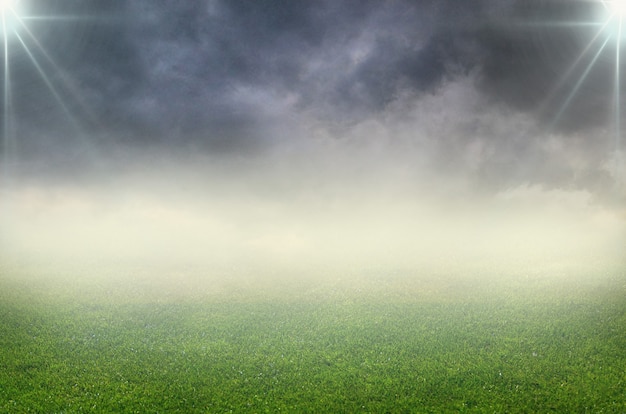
[(17, 38), (10, 12), (7, 138), (7, 5), (616, 7), (609, 38)]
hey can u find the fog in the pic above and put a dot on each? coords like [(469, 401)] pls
[(383, 141), (316, 218), (381, 206)]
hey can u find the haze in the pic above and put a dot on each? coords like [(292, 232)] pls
[(282, 138)]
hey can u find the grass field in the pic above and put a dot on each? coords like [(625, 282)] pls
[(371, 342)]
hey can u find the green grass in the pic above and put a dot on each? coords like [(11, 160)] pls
[(366, 345)]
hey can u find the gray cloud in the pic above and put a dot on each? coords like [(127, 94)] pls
[(264, 77)]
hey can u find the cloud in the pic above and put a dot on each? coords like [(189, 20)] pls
[(183, 67), (468, 93), (194, 216), (159, 69), (162, 70)]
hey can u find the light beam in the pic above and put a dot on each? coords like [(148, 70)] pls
[(580, 81)]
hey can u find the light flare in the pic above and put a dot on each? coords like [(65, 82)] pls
[(580, 81), (7, 5), (611, 29), (12, 18), (7, 101), (617, 8)]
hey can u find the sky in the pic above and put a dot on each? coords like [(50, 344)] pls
[(383, 133)]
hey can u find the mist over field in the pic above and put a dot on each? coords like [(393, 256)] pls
[(312, 206), (337, 137), (304, 216)]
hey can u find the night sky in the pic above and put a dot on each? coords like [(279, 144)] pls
[(299, 129)]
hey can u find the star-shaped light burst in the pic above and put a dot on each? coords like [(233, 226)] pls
[(616, 7), (18, 38), (609, 39), (7, 5)]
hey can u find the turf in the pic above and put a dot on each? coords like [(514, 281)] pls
[(385, 344)]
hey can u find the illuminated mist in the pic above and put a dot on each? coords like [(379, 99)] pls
[(312, 206), (446, 161), (305, 219)]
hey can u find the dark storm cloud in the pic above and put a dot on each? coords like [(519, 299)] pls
[(263, 125), (195, 70), (192, 69), (237, 77)]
